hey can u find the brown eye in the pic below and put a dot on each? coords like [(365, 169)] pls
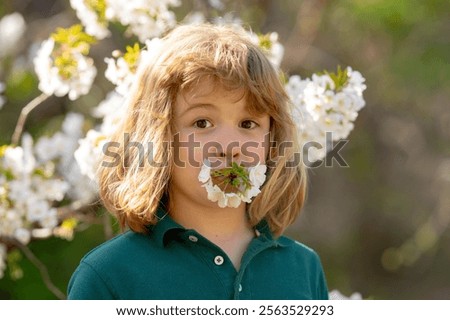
[(202, 124), (248, 124)]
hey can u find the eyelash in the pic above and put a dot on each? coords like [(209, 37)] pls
[(196, 121), (253, 122), (195, 124)]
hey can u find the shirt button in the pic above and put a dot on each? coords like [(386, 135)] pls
[(240, 287), (218, 260), (193, 238)]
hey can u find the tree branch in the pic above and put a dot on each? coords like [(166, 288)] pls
[(39, 265), (23, 117)]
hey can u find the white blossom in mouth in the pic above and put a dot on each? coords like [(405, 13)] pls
[(244, 183)]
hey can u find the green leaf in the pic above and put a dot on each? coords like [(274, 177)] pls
[(340, 78)]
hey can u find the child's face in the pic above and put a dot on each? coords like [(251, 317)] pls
[(214, 124)]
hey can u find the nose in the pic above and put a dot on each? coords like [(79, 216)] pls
[(229, 154), (227, 149), (226, 146)]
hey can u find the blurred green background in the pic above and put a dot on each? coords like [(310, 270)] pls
[(381, 226)]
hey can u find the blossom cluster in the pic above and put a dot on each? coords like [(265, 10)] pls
[(326, 103), (144, 19), (122, 68), (34, 179), (59, 149), (28, 192), (62, 64), (232, 185)]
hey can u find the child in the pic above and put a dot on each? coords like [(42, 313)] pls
[(210, 96)]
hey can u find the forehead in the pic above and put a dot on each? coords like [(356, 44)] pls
[(213, 92), (206, 90)]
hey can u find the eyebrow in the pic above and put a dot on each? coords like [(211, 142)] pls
[(198, 106)]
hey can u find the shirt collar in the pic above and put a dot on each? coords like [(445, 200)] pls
[(166, 229), (264, 230)]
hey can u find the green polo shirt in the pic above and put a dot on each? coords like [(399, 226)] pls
[(172, 262)]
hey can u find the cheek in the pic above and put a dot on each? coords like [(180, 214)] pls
[(187, 151), (255, 151)]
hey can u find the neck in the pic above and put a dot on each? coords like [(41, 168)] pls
[(228, 228), (214, 223)]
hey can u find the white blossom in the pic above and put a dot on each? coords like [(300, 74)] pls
[(90, 150), (114, 102), (145, 19), (270, 45), (55, 189), (50, 79), (337, 295), (72, 124), (119, 73), (224, 199), (19, 190), (90, 19), (89, 153), (215, 194), (23, 235), (60, 148), (11, 221), (150, 52), (49, 148), (257, 174), (250, 193), (12, 28), (122, 74), (37, 209), (320, 108), (28, 192), (20, 160)]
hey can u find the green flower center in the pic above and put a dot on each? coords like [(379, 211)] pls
[(234, 179)]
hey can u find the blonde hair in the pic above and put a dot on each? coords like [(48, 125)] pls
[(134, 192)]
